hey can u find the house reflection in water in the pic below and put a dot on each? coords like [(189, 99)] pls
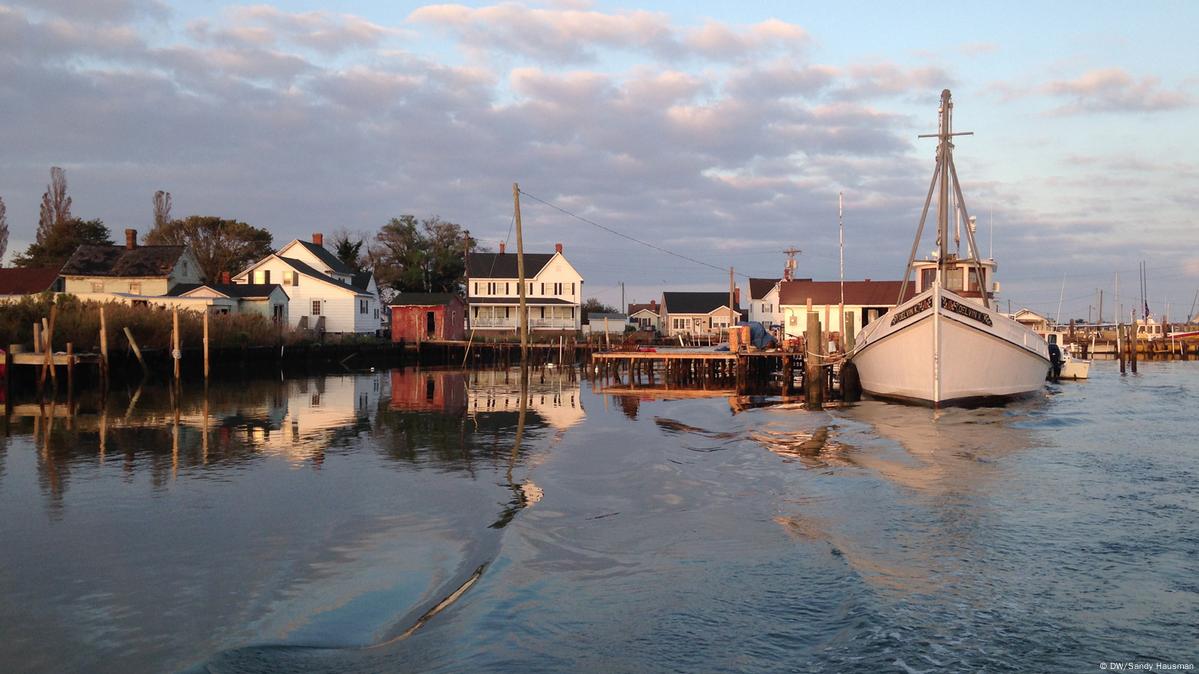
[(316, 413), (428, 391), (553, 395)]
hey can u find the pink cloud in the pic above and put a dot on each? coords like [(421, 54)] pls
[(1114, 90)]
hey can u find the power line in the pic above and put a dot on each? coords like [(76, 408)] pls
[(626, 236)]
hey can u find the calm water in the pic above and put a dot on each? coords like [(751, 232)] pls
[(384, 522)]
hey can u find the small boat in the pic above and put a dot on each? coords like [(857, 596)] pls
[(1073, 365), (948, 344)]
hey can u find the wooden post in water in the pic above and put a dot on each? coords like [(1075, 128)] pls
[(1133, 340), (175, 353), (136, 351), (49, 337), (206, 345), (1120, 343), (70, 369), (813, 382)]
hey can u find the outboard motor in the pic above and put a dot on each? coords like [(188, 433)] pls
[(1055, 361)]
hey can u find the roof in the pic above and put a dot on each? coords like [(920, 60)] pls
[(634, 308), (142, 261), (307, 270), (362, 280), (858, 293), (760, 287), (600, 316), (325, 255), (423, 299), (516, 300), (18, 281), (695, 302), (503, 265), (238, 290)]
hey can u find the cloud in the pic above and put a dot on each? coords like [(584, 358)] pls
[(264, 26), (1114, 90), (103, 11), (882, 79), (576, 35)]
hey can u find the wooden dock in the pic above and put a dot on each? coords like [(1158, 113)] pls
[(741, 372)]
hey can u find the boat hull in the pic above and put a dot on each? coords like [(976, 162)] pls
[(941, 349), (1074, 368)]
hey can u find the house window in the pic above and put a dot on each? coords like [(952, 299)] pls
[(277, 313), (291, 278), (363, 306), (557, 288), (97, 286), (263, 276), (316, 307), (135, 288)]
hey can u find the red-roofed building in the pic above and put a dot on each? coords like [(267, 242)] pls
[(16, 283), (864, 301)]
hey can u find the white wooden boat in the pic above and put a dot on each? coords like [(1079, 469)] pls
[(1073, 365), (942, 346)]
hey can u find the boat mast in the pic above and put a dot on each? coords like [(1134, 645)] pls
[(944, 152)]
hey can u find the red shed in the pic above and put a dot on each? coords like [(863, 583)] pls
[(420, 316)]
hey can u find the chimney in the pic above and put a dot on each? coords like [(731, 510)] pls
[(225, 279), (653, 303), (318, 239), (130, 239), (558, 247), (501, 248), (737, 296)]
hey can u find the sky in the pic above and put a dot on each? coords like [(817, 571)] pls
[(722, 132)]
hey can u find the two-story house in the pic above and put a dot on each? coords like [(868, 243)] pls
[(698, 314), (553, 293), (130, 269), (764, 301), (325, 295)]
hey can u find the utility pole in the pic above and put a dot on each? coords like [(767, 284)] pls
[(1100, 306), (520, 276), (624, 308), (732, 312), (792, 264), (841, 233)]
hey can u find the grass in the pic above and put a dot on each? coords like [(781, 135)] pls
[(78, 322)]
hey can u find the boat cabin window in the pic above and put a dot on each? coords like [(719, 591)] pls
[(953, 278)]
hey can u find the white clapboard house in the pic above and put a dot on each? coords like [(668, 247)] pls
[(325, 295), (764, 301), (553, 293)]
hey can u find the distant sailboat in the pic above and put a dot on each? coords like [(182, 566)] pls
[(947, 344)]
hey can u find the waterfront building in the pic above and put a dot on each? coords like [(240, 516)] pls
[(600, 323), (1032, 320), (866, 300), (764, 301), (417, 317), (325, 295), (265, 299), (646, 316), (698, 314), (129, 270), (553, 294), (16, 282)]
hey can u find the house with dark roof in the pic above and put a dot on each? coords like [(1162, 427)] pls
[(699, 314), (265, 299), (646, 316), (553, 293), (17, 282), (324, 294), (130, 269), (865, 301), (764, 301), (416, 317)]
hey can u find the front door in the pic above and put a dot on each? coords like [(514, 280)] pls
[(430, 323)]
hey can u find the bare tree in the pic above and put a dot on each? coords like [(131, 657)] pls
[(3, 229), (56, 205), (162, 208)]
